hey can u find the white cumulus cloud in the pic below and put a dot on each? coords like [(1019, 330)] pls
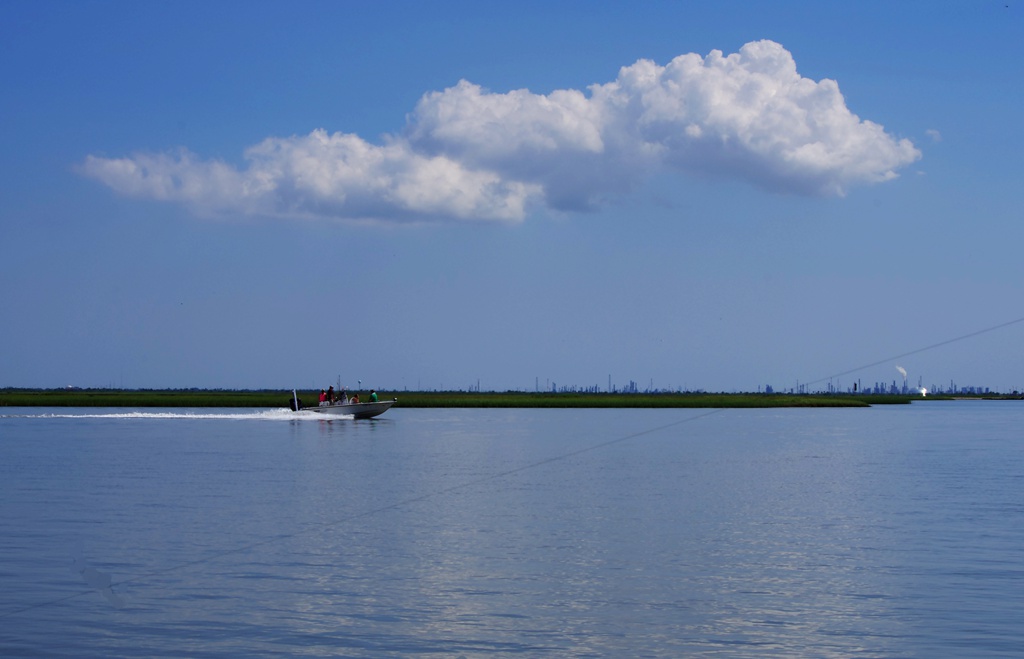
[(474, 155)]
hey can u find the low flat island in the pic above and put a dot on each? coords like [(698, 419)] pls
[(12, 397)]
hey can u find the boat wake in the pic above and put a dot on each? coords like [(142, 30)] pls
[(282, 414)]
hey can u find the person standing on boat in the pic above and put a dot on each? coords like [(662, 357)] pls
[(330, 394), (373, 395), (323, 397)]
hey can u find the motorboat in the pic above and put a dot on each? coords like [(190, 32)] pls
[(343, 407)]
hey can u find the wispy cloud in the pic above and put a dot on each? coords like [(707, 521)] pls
[(473, 155)]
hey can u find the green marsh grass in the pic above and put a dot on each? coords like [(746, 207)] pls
[(270, 398)]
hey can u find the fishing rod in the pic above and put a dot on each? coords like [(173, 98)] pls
[(920, 350)]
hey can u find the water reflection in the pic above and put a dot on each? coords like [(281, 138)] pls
[(883, 532)]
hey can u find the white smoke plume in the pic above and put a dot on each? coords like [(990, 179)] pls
[(902, 371), (470, 154)]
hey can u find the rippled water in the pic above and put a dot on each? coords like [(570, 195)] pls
[(885, 532)]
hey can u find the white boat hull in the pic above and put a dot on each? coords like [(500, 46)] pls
[(356, 410)]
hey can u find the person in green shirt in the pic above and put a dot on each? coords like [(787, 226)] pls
[(373, 396)]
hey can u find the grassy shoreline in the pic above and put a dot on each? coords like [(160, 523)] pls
[(420, 399)]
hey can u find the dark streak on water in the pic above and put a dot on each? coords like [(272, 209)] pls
[(889, 532)]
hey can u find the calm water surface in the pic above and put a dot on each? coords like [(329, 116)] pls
[(883, 532)]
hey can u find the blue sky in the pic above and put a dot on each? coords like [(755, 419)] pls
[(712, 196)]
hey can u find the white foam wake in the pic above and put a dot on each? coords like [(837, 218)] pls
[(281, 414)]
